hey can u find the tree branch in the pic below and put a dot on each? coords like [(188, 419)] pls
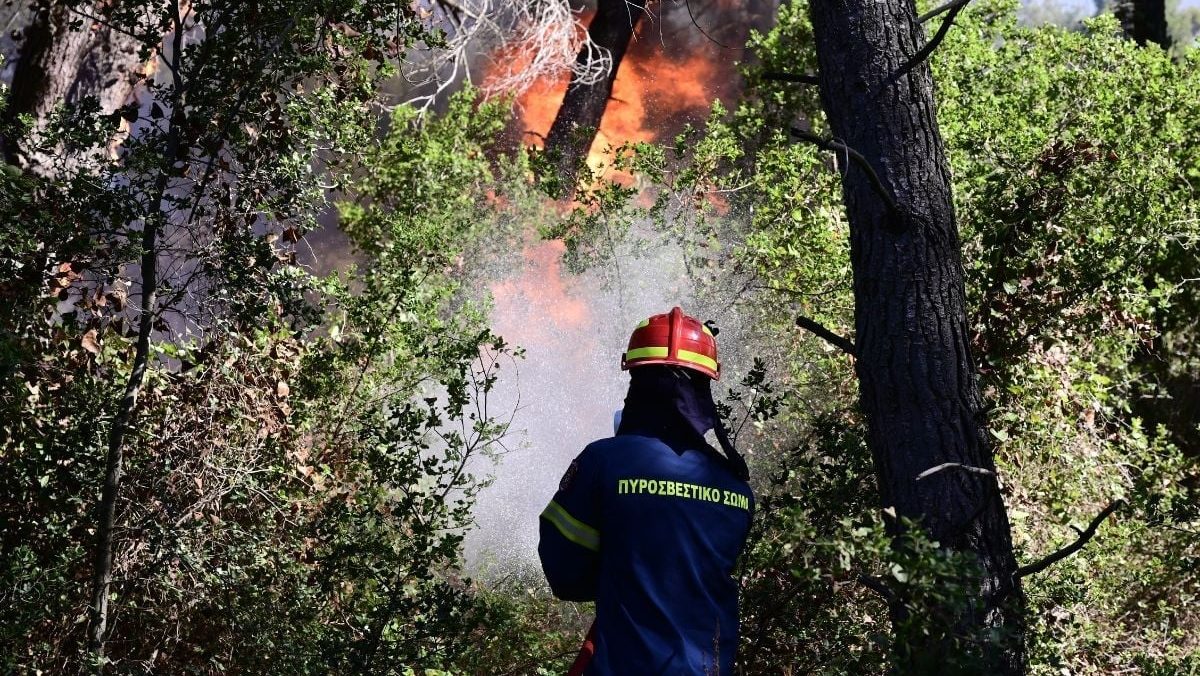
[(952, 10), (858, 158), (876, 585), (840, 342), (780, 76), (688, 5), (1084, 536), (940, 10), (954, 465)]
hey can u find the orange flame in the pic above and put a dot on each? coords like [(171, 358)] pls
[(653, 93), (539, 304), (646, 96)]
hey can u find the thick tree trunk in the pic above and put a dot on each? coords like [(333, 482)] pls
[(61, 64), (919, 390), (578, 118), (1144, 21)]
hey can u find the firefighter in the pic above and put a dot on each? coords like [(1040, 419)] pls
[(649, 523)]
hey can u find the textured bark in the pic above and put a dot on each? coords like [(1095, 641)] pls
[(106, 518), (918, 384), (1144, 21), (578, 118), (58, 63)]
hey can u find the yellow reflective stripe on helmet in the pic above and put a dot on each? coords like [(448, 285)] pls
[(644, 324), (646, 352), (706, 329), (571, 528), (697, 358)]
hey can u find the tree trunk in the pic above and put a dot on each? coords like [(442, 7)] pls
[(578, 118), (152, 225), (60, 64), (114, 461), (918, 385), (1144, 21)]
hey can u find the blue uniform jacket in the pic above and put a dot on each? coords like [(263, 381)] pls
[(652, 536)]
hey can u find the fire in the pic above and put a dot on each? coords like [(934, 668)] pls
[(647, 96), (539, 305), (653, 94)]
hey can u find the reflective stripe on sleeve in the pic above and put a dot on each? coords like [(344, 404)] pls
[(571, 528)]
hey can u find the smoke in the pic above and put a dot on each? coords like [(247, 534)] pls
[(573, 330)]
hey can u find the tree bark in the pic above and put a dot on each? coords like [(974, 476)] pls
[(1144, 21), (578, 118), (918, 384), (148, 311), (59, 63), (106, 519)]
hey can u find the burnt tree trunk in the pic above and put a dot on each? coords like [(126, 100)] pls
[(1144, 21), (918, 384), (578, 118), (60, 62)]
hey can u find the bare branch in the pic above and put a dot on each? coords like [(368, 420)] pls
[(1084, 536), (952, 11), (780, 76), (857, 157), (688, 5), (152, 44), (527, 40), (954, 465), (940, 10), (840, 342)]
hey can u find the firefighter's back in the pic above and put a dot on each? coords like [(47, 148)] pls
[(675, 521)]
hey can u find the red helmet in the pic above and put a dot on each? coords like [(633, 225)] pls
[(676, 339)]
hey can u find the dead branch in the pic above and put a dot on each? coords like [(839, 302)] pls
[(952, 11), (1084, 535), (840, 342), (528, 41), (780, 76), (855, 156)]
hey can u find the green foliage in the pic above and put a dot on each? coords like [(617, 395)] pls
[(302, 463), (1075, 185), (307, 449)]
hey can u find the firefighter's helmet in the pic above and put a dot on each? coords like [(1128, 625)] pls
[(674, 339)]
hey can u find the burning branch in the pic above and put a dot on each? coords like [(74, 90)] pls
[(1084, 535), (578, 119)]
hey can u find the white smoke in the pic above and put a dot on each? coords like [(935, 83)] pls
[(573, 330), (569, 384)]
